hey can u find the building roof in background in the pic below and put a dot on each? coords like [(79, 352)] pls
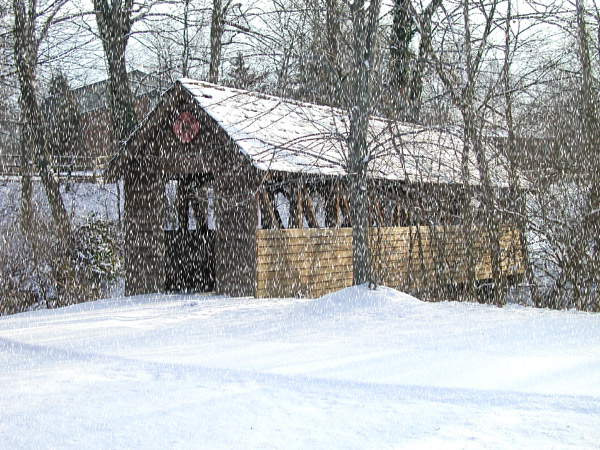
[(290, 136), (94, 96)]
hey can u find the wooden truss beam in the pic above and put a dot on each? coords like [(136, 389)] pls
[(332, 206), (309, 211), (376, 211), (269, 219), (345, 207), (295, 199)]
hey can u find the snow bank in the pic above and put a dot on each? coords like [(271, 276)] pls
[(354, 369), (357, 297)]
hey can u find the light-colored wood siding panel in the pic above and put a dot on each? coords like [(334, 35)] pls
[(313, 262), (307, 262)]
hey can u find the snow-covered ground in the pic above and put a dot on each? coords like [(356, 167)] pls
[(356, 369)]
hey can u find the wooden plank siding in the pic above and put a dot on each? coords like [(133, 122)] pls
[(236, 215), (412, 257), (144, 236), (313, 262), (308, 262)]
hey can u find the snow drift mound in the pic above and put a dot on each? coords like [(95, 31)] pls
[(358, 297)]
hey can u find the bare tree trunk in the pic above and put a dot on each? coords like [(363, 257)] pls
[(185, 57), (216, 36), (415, 87), (114, 23), (365, 24), (25, 50), (468, 219), (403, 31), (589, 139), (465, 102), (333, 32), (517, 201), (584, 52), (487, 191), (491, 222), (334, 74), (26, 178)]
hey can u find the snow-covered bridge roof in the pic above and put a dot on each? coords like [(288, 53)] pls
[(289, 136)]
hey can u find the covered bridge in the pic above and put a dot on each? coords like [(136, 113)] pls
[(246, 194)]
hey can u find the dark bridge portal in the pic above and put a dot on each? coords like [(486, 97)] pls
[(190, 248), (189, 260)]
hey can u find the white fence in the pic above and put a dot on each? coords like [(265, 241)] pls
[(64, 166)]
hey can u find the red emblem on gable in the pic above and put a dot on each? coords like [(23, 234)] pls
[(186, 127)]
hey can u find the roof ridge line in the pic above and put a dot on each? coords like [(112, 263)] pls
[(262, 95)]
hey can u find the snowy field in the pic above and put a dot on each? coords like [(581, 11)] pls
[(357, 369)]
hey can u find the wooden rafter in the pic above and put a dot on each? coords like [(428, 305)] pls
[(309, 211), (332, 206), (273, 197), (295, 199), (399, 205), (400, 218), (345, 207), (268, 217), (378, 213)]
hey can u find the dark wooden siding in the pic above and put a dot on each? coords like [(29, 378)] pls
[(235, 184), (236, 225), (144, 236)]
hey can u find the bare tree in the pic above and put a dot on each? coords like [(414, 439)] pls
[(222, 15), (408, 69), (216, 43), (28, 35), (115, 19), (590, 123), (176, 40), (185, 56), (461, 84), (365, 24), (516, 195), (306, 46)]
